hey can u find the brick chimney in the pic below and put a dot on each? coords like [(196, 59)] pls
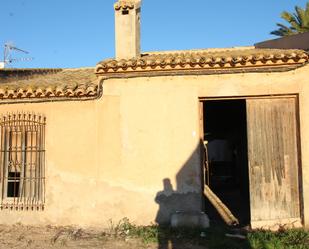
[(127, 28)]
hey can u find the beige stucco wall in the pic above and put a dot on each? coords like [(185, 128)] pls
[(108, 158)]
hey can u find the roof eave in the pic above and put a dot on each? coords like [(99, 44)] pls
[(198, 70), (245, 60)]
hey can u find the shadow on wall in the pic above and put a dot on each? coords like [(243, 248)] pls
[(186, 196)]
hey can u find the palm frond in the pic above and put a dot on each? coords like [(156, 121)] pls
[(300, 16), (283, 30), (288, 16), (306, 24), (298, 21)]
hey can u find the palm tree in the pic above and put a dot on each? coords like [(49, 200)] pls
[(299, 22)]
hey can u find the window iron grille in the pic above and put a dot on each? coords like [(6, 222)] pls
[(22, 161)]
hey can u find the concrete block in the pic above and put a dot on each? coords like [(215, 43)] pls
[(190, 219)]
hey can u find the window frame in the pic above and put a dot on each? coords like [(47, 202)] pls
[(22, 152)]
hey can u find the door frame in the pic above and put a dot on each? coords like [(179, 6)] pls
[(298, 135)]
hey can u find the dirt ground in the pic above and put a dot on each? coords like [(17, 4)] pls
[(19, 236)]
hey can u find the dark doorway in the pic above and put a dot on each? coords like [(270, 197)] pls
[(225, 129)]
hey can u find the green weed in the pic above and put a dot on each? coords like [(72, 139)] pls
[(213, 237), (124, 228), (284, 238)]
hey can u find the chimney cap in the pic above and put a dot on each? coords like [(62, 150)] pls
[(127, 4)]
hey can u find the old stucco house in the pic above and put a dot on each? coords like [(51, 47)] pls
[(127, 138)]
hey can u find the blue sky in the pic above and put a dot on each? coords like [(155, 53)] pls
[(67, 33)]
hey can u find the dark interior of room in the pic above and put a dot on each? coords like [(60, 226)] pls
[(226, 132)]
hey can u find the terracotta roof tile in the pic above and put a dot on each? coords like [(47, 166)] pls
[(125, 5), (204, 60), (70, 83)]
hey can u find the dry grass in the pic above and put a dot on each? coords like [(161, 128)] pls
[(125, 235)]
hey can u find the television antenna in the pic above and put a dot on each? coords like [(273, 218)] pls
[(7, 55)]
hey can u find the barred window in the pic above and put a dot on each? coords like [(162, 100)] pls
[(22, 172)]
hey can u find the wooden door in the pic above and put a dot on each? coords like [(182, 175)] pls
[(273, 161)]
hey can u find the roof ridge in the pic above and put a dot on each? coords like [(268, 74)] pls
[(199, 50), (205, 60)]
